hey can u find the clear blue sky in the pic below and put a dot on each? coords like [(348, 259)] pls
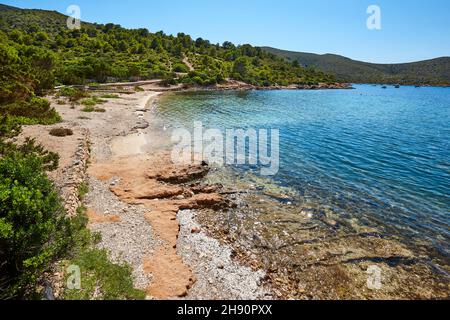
[(411, 29)]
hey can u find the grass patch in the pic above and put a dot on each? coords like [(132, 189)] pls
[(31, 112), (33, 121), (92, 102), (83, 190), (110, 96), (61, 132), (73, 94), (93, 109), (138, 89), (100, 278)]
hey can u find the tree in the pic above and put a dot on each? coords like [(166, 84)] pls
[(227, 45), (240, 67), (15, 79)]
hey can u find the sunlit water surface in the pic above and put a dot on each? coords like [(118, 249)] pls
[(380, 155)]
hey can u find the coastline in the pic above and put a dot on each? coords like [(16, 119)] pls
[(178, 220), (155, 85), (164, 166), (134, 197)]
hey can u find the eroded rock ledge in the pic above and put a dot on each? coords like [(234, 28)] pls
[(164, 189)]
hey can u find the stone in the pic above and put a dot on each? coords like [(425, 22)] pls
[(195, 230)]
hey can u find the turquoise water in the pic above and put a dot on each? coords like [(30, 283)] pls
[(381, 155)]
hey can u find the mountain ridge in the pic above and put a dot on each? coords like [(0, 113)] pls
[(427, 72)]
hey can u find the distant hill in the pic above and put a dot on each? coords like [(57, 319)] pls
[(429, 72), (31, 19)]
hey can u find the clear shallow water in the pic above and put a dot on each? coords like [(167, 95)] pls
[(382, 156)]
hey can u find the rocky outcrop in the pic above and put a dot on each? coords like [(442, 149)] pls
[(164, 189)]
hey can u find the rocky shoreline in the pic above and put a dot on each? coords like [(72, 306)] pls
[(136, 199), (190, 235), (308, 252), (229, 85)]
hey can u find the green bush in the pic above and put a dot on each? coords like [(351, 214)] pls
[(101, 277), (67, 91), (35, 110), (90, 109), (168, 81), (91, 102), (181, 67), (73, 94), (33, 226), (83, 190), (110, 96)]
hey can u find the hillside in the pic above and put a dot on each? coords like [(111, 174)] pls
[(429, 72), (103, 53)]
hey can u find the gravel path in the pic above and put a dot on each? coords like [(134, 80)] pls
[(129, 240)]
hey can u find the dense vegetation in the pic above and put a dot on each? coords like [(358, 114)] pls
[(25, 73), (101, 53), (430, 72), (33, 227)]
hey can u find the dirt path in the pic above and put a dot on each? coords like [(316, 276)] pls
[(188, 63)]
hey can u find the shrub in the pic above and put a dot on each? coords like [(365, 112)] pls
[(90, 109), (35, 232), (91, 102), (110, 96), (181, 67), (83, 190), (169, 81), (33, 228), (73, 94), (67, 91), (101, 277), (61, 132), (32, 111)]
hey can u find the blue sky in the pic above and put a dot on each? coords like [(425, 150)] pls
[(411, 29)]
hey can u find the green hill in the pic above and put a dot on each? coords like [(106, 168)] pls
[(101, 53), (429, 72)]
